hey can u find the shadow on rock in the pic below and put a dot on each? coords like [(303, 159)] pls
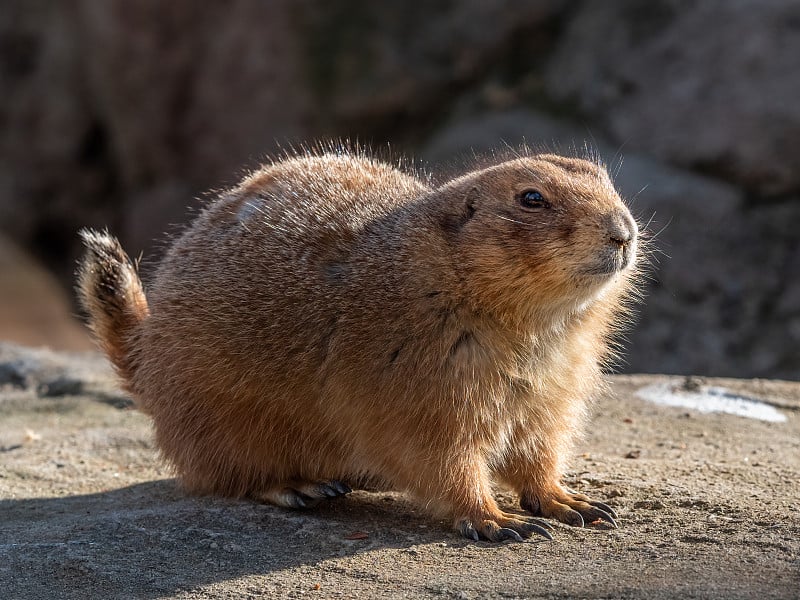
[(151, 539)]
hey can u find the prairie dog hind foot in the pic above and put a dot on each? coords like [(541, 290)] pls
[(303, 494)]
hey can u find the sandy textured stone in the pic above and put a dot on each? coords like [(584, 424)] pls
[(708, 508)]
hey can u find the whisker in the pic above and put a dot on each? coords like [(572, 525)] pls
[(512, 220), (644, 187), (514, 152), (616, 169), (618, 153), (649, 221), (660, 231)]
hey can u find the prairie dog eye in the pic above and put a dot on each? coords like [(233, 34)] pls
[(532, 199)]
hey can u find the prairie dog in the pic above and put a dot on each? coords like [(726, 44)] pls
[(333, 319)]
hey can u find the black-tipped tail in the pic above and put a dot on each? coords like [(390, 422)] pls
[(111, 292)]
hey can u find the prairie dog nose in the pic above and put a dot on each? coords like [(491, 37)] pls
[(621, 229)]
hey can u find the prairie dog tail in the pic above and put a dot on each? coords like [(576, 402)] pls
[(111, 292)]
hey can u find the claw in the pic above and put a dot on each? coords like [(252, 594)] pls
[(328, 490), (540, 522), (320, 489), (531, 528), (295, 500), (596, 513), (574, 518), (341, 487), (468, 531), (504, 533), (604, 507)]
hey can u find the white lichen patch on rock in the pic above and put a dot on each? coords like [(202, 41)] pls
[(709, 399)]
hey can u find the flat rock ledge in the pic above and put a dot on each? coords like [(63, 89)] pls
[(709, 506)]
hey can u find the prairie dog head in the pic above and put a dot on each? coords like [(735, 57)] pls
[(542, 233)]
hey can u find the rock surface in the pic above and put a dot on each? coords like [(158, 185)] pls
[(709, 507), (35, 309), (701, 85)]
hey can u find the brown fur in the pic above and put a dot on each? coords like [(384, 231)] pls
[(333, 318)]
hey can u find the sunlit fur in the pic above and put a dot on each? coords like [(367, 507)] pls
[(334, 317)]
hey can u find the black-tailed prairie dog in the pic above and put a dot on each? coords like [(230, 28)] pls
[(334, 320)]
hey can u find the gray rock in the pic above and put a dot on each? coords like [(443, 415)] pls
[(708, 84), (379, 59), (62, 385), (12, 374), (51, 174), (53, 374), (483, 133)]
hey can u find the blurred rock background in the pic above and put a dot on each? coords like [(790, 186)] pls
[(121, 113)]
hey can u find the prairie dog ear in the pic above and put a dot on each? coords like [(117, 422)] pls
[(461, 209), (468, 206), (470, 202)]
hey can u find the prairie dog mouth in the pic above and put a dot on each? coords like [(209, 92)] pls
[(613, 260)]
